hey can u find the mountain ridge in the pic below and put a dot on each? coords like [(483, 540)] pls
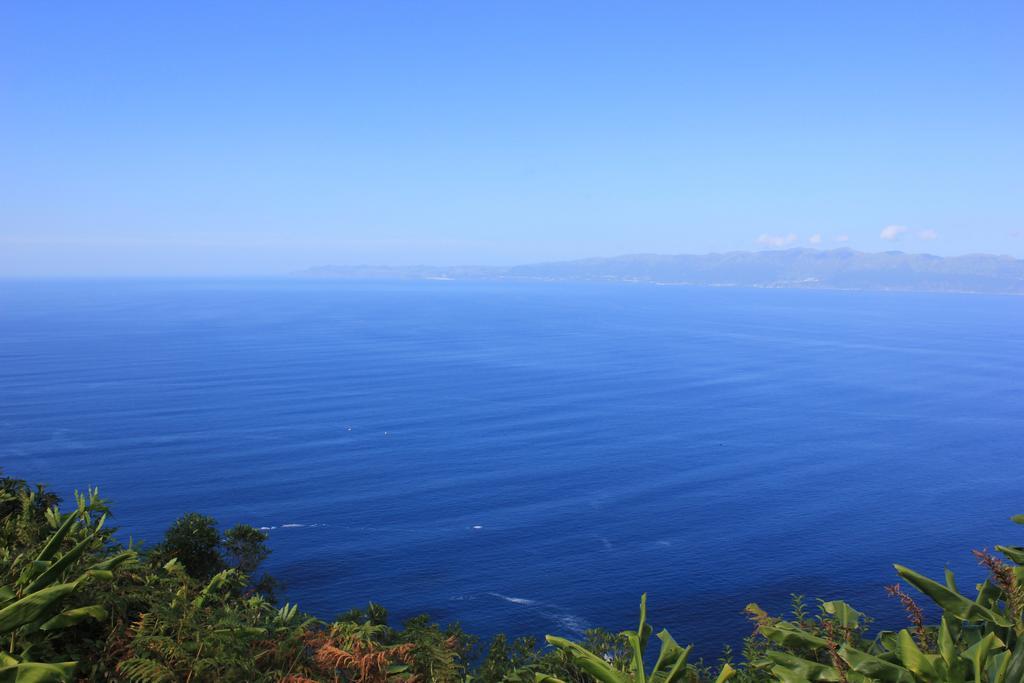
[(798, 268)]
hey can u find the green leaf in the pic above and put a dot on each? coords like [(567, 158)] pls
[(947, 648), (725, 674), (58, 567), (637, 661), (32, 606), (1017, 519), (787, 635), (671, 662), (951, 581), (979, 652), (847, 616), (1014, 553), (638, 640), (1015, 667), (887, 641), (33, 569), (1002, 664), (33, 672), (668, 653), (953, 603), (589, 662), (52, 545), (73, 616), (799, 669), (114, 562), (913, 659), (989, 595), (874, 667)]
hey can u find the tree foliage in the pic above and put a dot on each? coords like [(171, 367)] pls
[(77, 605)]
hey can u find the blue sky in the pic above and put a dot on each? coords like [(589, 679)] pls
[(247, 138)]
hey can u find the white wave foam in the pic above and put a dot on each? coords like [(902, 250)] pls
[(517, 601), (566, 622), (318, 525), (571, 622)]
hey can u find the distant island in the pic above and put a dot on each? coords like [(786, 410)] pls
[(789, 268)]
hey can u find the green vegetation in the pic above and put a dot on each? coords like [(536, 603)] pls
[(77, 605)]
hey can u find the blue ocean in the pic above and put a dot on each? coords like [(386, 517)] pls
[(530, 458)]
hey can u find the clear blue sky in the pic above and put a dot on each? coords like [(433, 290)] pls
[(248, 137)]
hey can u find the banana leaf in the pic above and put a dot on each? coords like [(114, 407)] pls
[(953, 603)]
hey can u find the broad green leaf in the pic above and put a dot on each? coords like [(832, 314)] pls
[(951, 602), (589, 662), (637, 665), (725, 674), (787, 635), (784, 675), (638, 642), (52, 545), (913, 659), (1015, 666), (1001, 662), (643, 633), (544, 678), (73, 616), (951, 580), (887, 641), (979, 652), (115, 561), (947, 648), (875, 667), (847, 616), (669, 653), (989, 595), (33, 606), (1014, 553), (32, 570), (671, 664), (32, 672), (805, 670), (1017, 519), (58, 567)]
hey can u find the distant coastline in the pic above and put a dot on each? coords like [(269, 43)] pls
[(842, 269)]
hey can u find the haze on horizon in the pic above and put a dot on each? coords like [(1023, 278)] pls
[(231, 139)]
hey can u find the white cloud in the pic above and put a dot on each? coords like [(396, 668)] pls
[(893, 232), (776, 240), (815, 238), (842, 238), (927, 234)]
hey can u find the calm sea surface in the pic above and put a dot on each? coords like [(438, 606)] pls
[(530, 458)]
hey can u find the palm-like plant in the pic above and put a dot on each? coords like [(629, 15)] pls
[(32, 607), (670, 666), (977, 639)]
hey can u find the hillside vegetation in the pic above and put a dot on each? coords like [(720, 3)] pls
[(77, 605)]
